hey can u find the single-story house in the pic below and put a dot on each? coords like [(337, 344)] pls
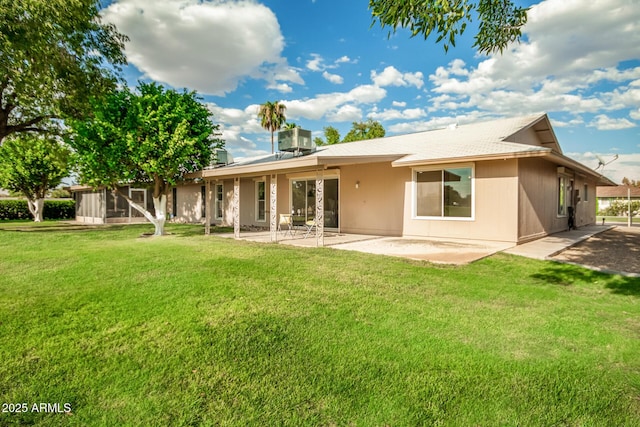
[(502, 180), (607, 195)]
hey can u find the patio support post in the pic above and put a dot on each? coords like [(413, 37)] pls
[(103, 207), (273, 204), (629, 219), (236, 208), (207, 208), (319, 208)]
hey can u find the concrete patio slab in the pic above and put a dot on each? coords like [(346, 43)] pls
[(547, 247), (298, 239), (442, 251)]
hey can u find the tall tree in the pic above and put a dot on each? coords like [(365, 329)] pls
[(332, 135), (272, 117), (54, 56), (151, 137), (365, 130), (32, 165), (500, 21)]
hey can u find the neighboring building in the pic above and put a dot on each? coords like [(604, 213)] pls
[(607, 195), (503, 180)]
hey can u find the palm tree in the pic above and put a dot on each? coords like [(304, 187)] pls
[(271, 115), (291, 125)]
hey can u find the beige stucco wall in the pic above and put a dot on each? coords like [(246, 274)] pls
[(586, 209), (227, 203), (189, 203), (495, 207), (376, 206), (248, 201), (538, 199)]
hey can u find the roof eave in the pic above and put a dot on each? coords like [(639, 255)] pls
[(261, 168), (478, 158), (566, 161)]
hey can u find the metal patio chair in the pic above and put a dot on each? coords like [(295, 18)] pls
[(285, 225), (310, 226)]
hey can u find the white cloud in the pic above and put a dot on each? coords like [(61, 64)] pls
[(438, 122), (390, 76), (635, 114), (392, 114), (603, 122), (560, 66), (346, 113), (280, 87), (316, 64), (198, 45), (626, 165), (333, 78), (400, 104), (328, 104)]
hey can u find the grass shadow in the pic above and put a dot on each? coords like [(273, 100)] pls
[(566, 275), (44, 227)]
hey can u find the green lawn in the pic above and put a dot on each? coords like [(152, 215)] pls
[(195, 330)]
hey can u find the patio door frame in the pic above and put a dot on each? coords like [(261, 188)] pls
[(311, 176)]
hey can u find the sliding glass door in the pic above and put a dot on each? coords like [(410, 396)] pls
[(303, 201)]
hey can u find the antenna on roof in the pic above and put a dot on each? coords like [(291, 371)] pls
[(602, 163)]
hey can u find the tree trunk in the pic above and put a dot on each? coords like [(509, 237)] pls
[(160, 205), (272, 143), (36, 207)]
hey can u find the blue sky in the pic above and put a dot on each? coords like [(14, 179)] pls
[(579, 62)]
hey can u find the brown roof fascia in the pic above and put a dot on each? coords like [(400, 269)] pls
[(463, 159), (280, 166), (579, 167)]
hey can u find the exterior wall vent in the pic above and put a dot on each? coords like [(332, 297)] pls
[(296, 140)]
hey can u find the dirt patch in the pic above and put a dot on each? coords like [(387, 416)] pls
[(615, 250)]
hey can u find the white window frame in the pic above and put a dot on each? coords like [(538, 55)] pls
[(219, 203), (562, 183), (257, 187), (414, 195), (586, 193)]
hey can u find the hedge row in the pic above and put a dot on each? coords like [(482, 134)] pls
[(53, 209)]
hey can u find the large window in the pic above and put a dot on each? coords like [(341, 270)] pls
[(219, 201), (261, 201), (444, 193)]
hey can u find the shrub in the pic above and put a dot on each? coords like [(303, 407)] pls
[(60, 193), (621, 208), (53, 209)]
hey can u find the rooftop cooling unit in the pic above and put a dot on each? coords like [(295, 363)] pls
[(297, 140), (221, 157)]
